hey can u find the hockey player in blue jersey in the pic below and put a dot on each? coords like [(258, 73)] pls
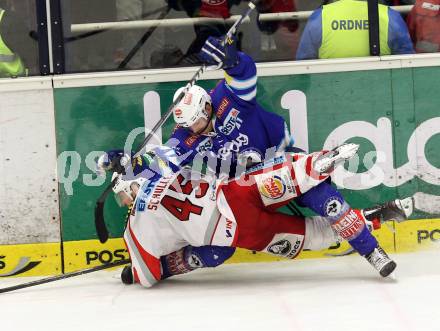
[(229, 125)]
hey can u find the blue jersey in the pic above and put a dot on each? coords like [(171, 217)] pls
[(242, 128)]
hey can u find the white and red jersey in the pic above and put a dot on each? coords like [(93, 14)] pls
[(187, 208), (174, 211)]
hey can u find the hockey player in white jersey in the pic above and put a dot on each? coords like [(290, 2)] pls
[(174, 210)]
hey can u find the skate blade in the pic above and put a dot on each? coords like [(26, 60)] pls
[(341, 154), (388, 269)]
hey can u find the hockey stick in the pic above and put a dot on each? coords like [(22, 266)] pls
[(64, 276), (101, 229)]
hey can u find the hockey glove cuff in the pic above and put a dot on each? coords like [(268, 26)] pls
[(215, 53)]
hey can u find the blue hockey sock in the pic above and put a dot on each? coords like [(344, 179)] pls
[(364, 243), (189, 258)]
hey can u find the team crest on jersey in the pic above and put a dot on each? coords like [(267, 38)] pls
[(205, 145), (223, 106), (272, 187), (231, 122)]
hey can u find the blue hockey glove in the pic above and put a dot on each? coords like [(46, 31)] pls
[(214, 53), (113, 160), (146, 165)]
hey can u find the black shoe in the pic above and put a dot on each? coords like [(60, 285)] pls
[(381, 261), (127, 275)]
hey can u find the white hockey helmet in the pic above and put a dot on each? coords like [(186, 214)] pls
[(124, 189), (192, 106)]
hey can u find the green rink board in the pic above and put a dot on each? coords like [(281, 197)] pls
[(404, 103)]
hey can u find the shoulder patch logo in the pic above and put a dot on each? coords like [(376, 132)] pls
[(190, 140), (222, 107), (281, 247), (273, 187)]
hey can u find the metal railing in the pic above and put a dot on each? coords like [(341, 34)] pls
[(142, 24)]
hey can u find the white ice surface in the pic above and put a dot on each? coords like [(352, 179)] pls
[(325, 294)]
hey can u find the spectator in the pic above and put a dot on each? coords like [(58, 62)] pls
[(11, 33), (140, 10), (424, 26), (204, 8), (340, 30), (280, 38)]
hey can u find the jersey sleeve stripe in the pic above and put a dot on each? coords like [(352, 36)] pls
[(149, 266), (246, 97), (239, 84)]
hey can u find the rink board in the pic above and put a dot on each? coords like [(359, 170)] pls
[(30, 260), (409, 236), (392, 113), (53, 128)]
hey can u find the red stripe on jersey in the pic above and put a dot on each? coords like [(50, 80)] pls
[(309, 169), (151, 262), (309, 166), (135, 275), (296, 157), (295, 182)]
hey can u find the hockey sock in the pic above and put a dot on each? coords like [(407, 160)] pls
[(349, 223), (189, 258), (324, 200), (351, 227)]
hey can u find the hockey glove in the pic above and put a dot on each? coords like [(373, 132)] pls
[(113, 160), (214, 53)]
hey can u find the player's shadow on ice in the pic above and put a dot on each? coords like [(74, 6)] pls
[(236, 279)]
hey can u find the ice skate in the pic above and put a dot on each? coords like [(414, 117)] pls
[(396, 210), (326, 162), (381, 261)]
